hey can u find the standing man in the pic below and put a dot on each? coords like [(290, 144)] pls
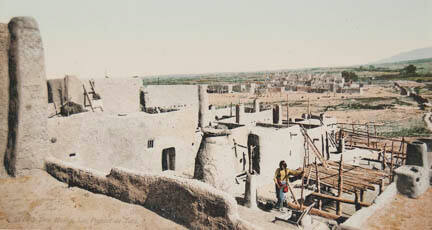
[(281, 180)]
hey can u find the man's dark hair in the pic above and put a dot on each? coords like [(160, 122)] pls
[(281, 163)]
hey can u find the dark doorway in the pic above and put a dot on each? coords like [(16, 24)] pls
[(142, 101), (168, 159), (276, 115), (254, 153)]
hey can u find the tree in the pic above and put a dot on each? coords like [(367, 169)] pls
[(410, 69), (349, 76)]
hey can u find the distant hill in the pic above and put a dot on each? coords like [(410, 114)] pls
[(422, 53)]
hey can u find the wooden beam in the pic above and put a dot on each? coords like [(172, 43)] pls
[(357, 200), (340, 187), (318, 184), (312, 145), (314, 211), (340, 199)]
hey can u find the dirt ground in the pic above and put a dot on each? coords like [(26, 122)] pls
[(318, 102), (41, 202), (404, 213)]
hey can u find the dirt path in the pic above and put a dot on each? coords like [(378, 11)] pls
[(41, 202)]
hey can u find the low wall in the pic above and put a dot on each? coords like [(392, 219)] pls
[(358, 220), (189, 202), (170, 96)]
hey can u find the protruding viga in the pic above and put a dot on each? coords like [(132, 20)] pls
[(27, 136)]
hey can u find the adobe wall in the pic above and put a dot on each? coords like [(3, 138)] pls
[(4, 94), (215, 161), (28, 98), (169, 96), (102, 141), (73, 89), (189, 202), (119, 95), (265, 116), (276, 145)]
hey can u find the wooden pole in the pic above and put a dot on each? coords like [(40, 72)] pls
[(292, 193), (375, 130), (318, 184), (342, 200), (288, 109), (302, 179), (391, 164), (403, 149), (340, 187), (357, 200), (384, 158), (315, 211), (381, 187), (367, 127)]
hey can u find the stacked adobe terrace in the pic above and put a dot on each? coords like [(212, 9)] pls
[(167, 149)]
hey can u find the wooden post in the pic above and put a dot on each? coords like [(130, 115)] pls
[(383, 164), (375, 130), (353, 133), (391, 164), (340, 187), (287, 110), (367, 128), (318, 184), (292, 193), (302, 180), (403, 149), (357, 200), (381, 186)]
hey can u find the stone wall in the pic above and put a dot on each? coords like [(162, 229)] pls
[(189, 202), (4, 93)]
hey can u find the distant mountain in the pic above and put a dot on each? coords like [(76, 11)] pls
[(422, 53)]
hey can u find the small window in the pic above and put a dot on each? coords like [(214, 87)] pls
[(150, 143)]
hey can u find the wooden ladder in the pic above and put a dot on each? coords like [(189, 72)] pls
[(314, 148), (86, 96)]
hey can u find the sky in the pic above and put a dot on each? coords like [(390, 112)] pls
[(127, 38)]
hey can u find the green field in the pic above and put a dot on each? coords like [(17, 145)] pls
[(375, 72)]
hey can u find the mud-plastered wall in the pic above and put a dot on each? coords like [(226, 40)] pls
[(119, 95), (103, 141), (27, 116), (4, 93), (189, 202), (168, 96)]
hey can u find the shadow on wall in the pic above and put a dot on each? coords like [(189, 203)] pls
[(189, 202)]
